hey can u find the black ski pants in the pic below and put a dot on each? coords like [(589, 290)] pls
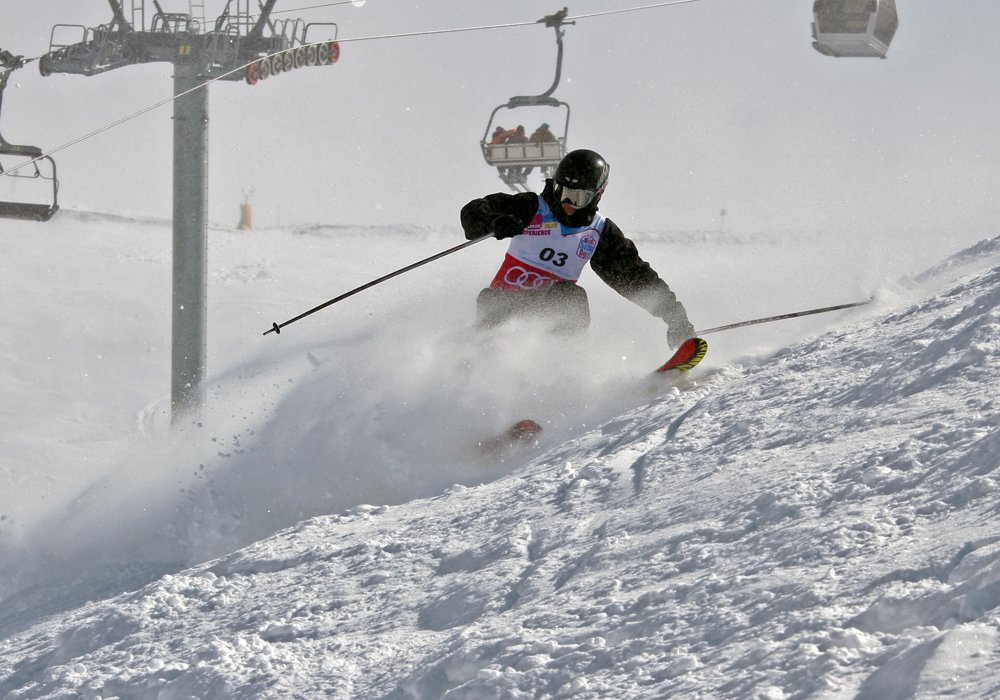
[(565, 304)]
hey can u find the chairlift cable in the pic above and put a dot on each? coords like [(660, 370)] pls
[(23, 62), (429, 32), (315, 7), (440, 31), (630, 9), (168, 100), (130, 117)]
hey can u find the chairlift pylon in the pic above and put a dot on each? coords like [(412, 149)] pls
[(854, 28), (39, 167), (515, 160)]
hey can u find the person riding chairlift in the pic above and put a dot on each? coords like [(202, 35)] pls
[(500, 135), (542, 135), (518, 135)]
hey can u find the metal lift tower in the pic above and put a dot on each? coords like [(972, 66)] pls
[(237, 46)]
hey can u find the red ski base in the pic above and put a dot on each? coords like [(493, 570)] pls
[(521, 433), (689, 354), (524, 432)]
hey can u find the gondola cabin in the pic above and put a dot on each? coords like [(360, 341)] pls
[(854, 28)]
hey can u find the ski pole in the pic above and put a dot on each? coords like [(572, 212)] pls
[(276, 327), (781, 317)]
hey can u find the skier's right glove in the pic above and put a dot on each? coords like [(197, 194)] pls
[(507, 226), (678, 331), (477, 216)]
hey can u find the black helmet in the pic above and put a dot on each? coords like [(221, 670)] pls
[(580, 178)]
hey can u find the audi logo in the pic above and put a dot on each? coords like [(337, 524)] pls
[(519, 277)]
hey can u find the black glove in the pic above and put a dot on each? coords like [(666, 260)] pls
[(507, 226), (477, 217), (679, 331)]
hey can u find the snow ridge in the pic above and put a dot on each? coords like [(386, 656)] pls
[(819, 524)]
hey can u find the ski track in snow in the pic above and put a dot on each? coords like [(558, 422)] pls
[(818, 523)]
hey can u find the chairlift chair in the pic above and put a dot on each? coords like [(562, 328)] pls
[(41, 167), (38, 167), (514, 161), (854, 28)]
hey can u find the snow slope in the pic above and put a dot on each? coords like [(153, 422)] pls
[(817, 520)]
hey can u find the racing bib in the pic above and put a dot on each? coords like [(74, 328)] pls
[(546, 252)]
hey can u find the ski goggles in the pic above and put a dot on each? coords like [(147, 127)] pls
[(576, 198)]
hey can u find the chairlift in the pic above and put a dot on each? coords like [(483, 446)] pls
[(42, 167), (854, 28), (38, 167), (514, 161)]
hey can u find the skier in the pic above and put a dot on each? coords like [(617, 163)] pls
[(553, 236)]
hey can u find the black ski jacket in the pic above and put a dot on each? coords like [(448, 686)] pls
[(616, 259)]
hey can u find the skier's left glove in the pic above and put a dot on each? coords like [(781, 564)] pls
[(507, 226), (678, 331)]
